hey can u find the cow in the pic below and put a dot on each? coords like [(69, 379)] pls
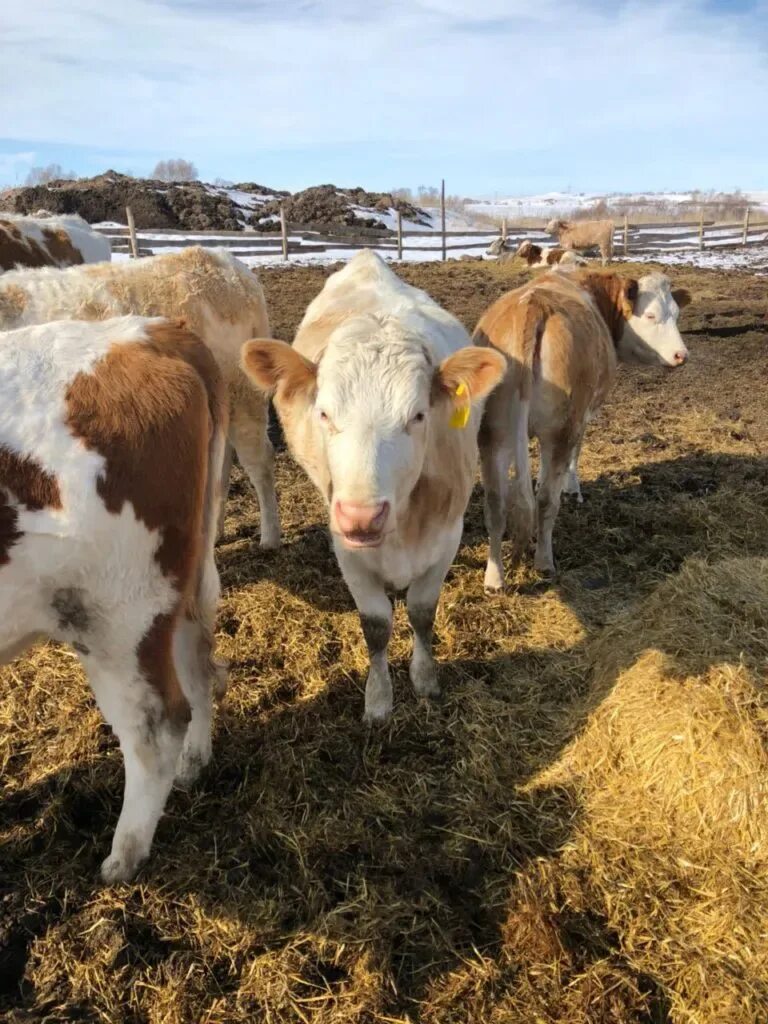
[(562, 335), (217, 296), (380, 399), (534, 255), (584, 234), (112, 439), (49, 241), (548, 255)]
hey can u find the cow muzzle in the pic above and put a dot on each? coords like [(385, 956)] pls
[(360, 526)]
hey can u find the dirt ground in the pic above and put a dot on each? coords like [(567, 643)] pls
[(575, 832)]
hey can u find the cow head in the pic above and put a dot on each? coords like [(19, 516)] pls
[(555, 226), (367, 410), (497, 247), (524, 248), (650, 333)]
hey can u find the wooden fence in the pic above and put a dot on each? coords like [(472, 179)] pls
[(641, 239)]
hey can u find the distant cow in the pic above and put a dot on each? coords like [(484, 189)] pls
[(548, 255), (534, 255), (380, 399), (562, 335), (584, 234), (217, 296), (112, 439), (47, 240)]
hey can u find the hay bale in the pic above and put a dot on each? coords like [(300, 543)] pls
[(672, 776)]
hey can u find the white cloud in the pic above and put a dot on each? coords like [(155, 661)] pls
[(502, 75)]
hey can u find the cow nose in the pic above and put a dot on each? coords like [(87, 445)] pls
[(680, 357), (354, 518)]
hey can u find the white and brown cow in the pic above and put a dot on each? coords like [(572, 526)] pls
[(548, 255), (534, 255), (380, 399), (216, 295), (112, 439), (49, 240), (562, 335)]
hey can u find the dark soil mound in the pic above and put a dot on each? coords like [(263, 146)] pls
[(323, 205), (155, 204)]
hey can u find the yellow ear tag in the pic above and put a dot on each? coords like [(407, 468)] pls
[(460, 416)]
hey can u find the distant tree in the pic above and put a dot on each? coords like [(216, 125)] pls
[(223, 183), (52, 172), (175, 170)]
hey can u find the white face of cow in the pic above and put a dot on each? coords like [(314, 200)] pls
[(651, 334), (371, 402)]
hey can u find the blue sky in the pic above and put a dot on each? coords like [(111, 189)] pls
[(498, 96)]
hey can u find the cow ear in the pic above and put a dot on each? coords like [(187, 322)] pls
[(470, 374), (629, 292), (275, 366), (682, 297)]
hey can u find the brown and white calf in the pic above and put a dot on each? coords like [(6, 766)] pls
[(47, 240), (112, 439), (216, 295), (562, 335), (548, 255), (380, 398), (584, 234), (534, 255)]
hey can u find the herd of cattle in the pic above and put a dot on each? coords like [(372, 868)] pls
[(126, 388)]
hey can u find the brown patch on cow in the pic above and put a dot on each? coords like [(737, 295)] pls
[(18, 250), (614, 296), (532, 254), (27, 481), (147, 407), (155, 657), (59, 245), (13, 302), (554, 256), (9, 532)]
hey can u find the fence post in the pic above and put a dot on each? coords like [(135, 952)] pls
[(132, 233), (701, 229), (400, 234), (283, 232), (504, 229), (626, 234), (442, 217), (746, 227)]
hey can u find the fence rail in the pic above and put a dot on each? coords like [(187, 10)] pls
[(630, 238)]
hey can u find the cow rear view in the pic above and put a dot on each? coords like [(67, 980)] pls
[(112, 440)]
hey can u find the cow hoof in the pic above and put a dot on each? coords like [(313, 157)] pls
[(121, 866), (424, 681), (270, 541), (377, 716)]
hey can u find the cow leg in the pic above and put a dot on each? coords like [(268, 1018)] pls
[(495, 461), (226, 476), (572, 483), (522, 502), (422, 597), (376, 620), (248, 434), (555, 456), (149, 720)]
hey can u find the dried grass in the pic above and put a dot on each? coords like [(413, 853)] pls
[(574, 833)]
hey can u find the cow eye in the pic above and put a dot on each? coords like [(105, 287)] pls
[(418, 418), (650, 316)]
